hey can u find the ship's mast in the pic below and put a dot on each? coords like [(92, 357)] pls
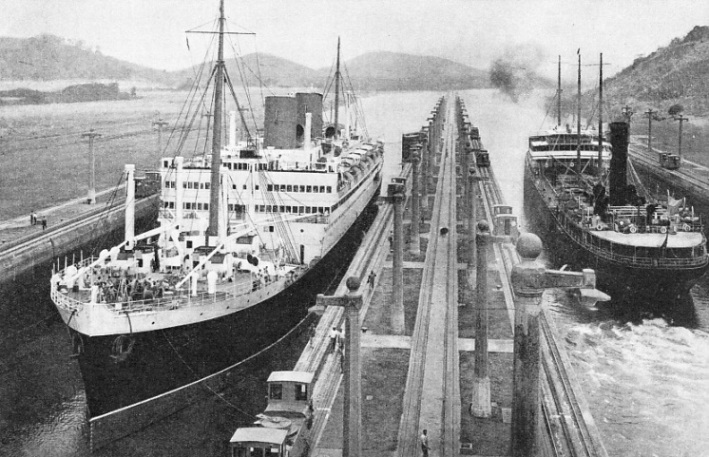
[(558, 94), (214, 196), (337, 91), (600, 117), (578, 123)]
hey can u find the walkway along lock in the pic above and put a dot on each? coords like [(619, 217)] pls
[(529, 280)]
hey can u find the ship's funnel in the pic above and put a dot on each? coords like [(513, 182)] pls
[(310, 102), (619, 163), (280, 122)]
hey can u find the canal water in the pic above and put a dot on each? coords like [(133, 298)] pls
[(645, 374)]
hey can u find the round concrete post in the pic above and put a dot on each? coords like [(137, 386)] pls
[(426, 166), (352, 420), (465, 158), (414, 227), (527, 282), (481, 406), (396, 195)]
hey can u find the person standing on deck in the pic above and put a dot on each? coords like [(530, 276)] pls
[(33, 218), (44, 222)]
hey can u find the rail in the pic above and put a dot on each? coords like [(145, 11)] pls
[(568, 427), (436, 399)]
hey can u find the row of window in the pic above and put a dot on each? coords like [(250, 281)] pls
[(296, 188), (204, 206), (245, 166), (293, 209), (189, 185)]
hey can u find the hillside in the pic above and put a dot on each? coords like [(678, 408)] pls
[(673, 74), (396, 71), (272, 71), (371, 71), (48, 57)]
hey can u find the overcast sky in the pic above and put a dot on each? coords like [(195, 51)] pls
[(473, 32)]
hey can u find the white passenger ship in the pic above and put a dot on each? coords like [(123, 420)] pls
[(247, 235)]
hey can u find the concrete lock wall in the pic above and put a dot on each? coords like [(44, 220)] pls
[(67, 237)]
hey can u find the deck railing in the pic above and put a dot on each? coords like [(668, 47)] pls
[(173, 299)]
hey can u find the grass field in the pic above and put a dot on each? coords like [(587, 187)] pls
[(44, 159)]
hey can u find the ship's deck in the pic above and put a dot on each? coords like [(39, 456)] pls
[(651, 240)]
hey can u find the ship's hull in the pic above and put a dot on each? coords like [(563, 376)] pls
[(166, 359), (625, 283)]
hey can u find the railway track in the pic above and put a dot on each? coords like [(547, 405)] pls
[(650, 160), (432, 398), (570, 429)]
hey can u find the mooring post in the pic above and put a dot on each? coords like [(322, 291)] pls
[(414, 227), (396, 197), (527, 279), (481, 406), (352, 413)]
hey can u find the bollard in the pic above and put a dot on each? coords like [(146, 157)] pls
[(414, 227), (396, 197), (481, 406), (527, 279)]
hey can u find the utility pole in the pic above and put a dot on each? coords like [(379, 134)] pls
[(649, 113), (681, 120), (91, 199), (558, 94), (160, 124)]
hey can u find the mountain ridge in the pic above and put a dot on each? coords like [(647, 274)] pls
[(48, 57)]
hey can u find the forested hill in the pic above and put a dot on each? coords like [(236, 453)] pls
[(370, 71), (48, 57), (397, 71), (675, 74)]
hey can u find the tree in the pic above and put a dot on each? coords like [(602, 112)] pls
[(675, 109)]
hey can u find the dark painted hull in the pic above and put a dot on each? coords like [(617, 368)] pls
[(164, 360), (624, 283)]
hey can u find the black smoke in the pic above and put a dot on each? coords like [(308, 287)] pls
[(514, 73)]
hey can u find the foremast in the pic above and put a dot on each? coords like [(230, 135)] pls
[(337, 91), (215, 196)]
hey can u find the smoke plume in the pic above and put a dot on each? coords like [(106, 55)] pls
[(514, 73)]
